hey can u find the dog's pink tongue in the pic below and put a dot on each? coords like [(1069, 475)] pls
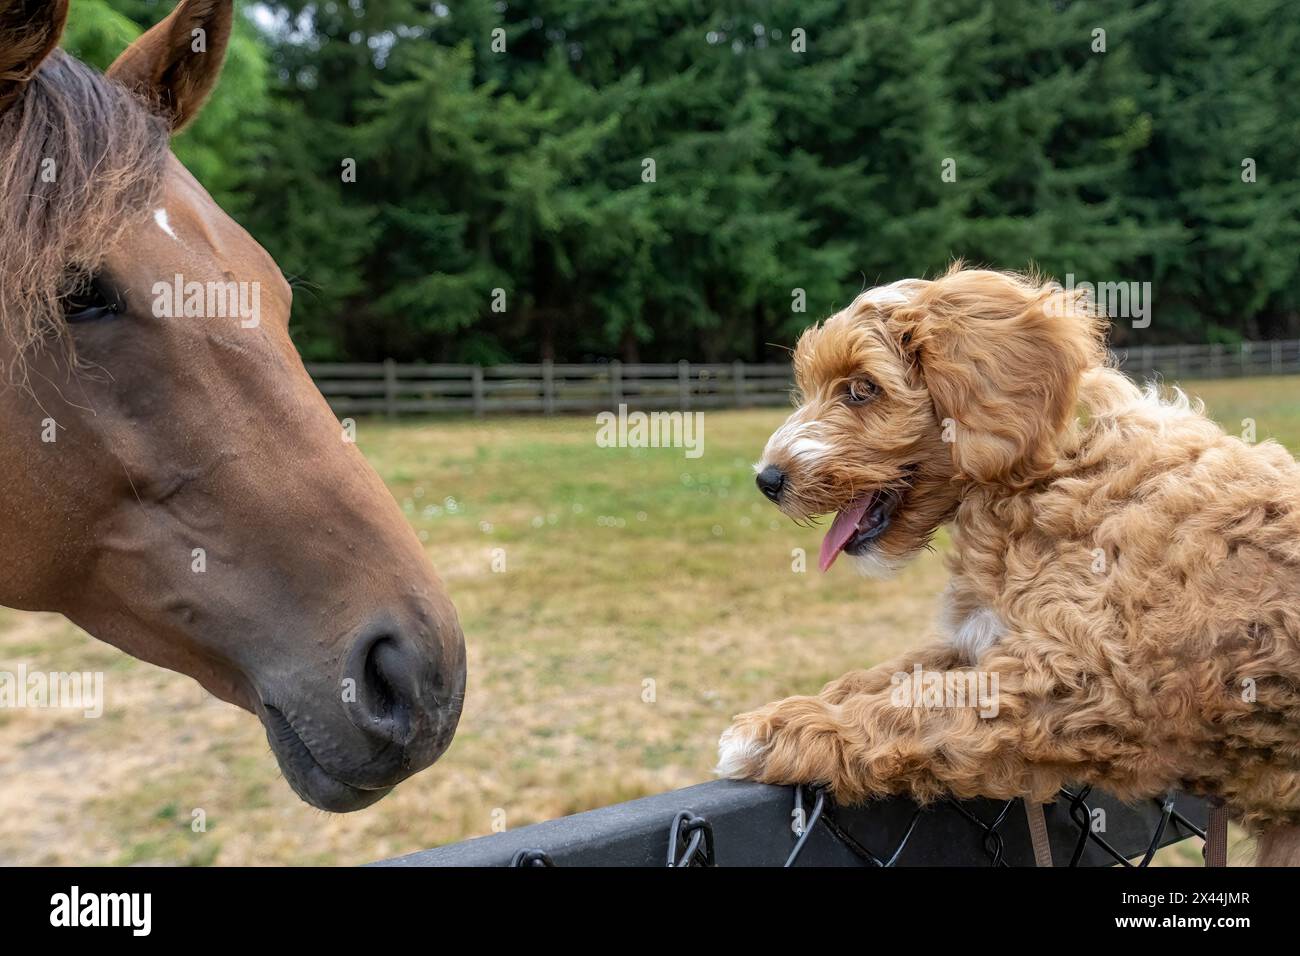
[(842, 528)]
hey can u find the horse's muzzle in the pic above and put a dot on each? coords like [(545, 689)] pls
[(393, 713), (406, 692)]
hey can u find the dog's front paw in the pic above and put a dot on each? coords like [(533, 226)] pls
[(796, 740), (740, 751)]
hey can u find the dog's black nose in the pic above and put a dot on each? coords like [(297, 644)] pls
[(770, 481)]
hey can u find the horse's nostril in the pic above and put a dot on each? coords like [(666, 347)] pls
[(392, 683), (770, 481), (381, 687)]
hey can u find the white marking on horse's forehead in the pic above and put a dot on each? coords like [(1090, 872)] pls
[(160, 217)]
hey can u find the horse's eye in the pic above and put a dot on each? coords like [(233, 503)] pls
[(89, 301), (861, 391)]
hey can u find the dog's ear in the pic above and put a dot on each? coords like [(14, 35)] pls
[(1001, 356), (29, 32)]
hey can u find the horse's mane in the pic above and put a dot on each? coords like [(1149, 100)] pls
[(81, 159)]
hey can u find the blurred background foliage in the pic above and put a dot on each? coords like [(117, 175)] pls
[(775, 170)]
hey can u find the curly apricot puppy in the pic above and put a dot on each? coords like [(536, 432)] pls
[(1128, 579)]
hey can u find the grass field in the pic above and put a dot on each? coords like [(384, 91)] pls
[(622, 566)]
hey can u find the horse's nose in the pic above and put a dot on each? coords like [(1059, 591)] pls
[(394, 688)]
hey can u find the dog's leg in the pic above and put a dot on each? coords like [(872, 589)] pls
[(1279, 846), (869, 733)]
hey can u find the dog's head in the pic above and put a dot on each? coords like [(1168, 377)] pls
[(918, 388)]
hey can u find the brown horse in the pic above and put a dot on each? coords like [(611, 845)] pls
[(174, 482)]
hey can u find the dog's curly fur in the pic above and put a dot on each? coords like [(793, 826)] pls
[(1129, 572)]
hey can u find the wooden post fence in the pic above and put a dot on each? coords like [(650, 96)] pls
[(550, 388)]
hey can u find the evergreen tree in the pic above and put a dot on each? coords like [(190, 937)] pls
[(483, 181), (1217, 83)]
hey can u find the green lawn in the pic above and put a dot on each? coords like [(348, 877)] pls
[(628, 574)]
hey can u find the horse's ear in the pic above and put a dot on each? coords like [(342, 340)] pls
[(176, 63), (29, 31)]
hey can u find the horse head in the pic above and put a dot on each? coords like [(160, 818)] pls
[(175, 483)]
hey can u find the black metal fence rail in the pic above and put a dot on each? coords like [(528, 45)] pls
[(728, 823)]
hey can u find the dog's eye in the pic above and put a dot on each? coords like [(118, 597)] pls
[(861, 391)]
